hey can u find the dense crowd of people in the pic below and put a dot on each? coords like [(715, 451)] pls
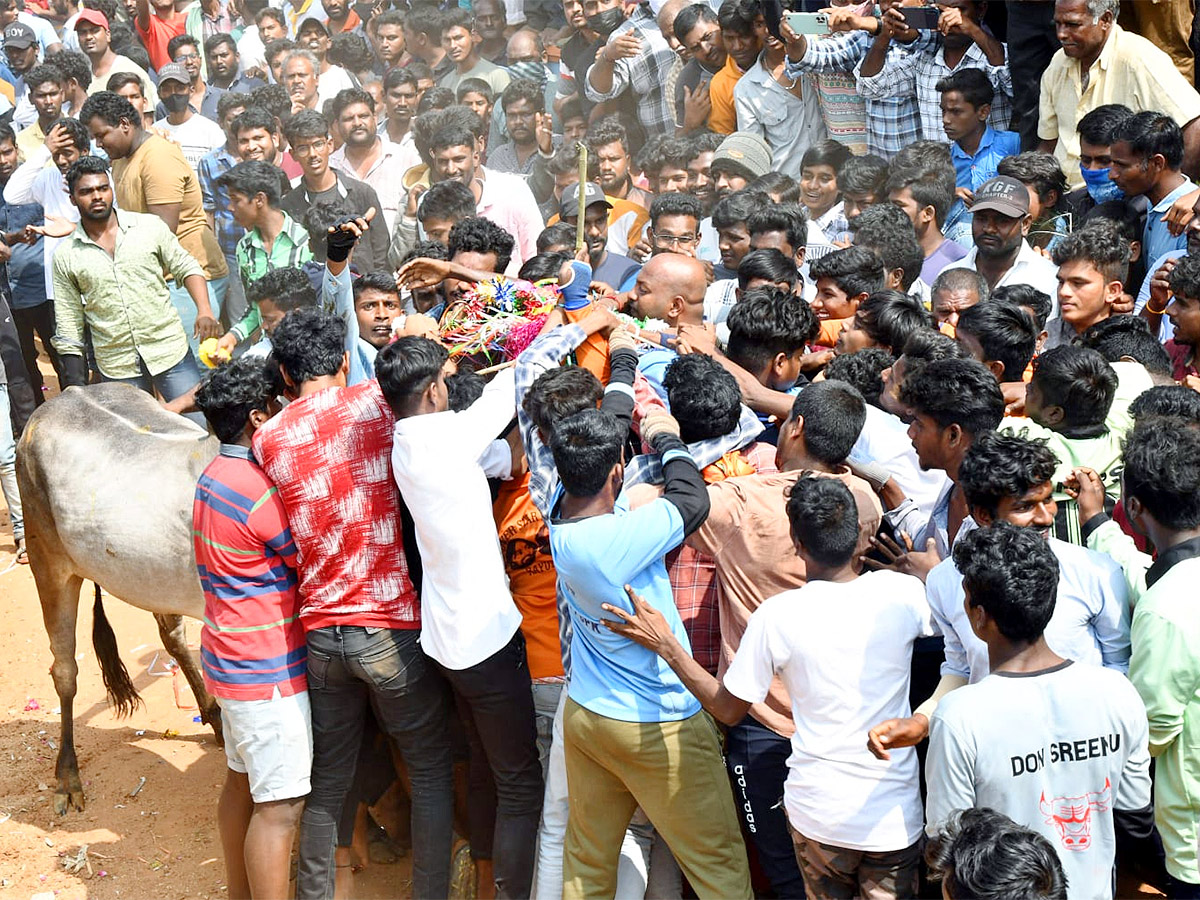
[(676, 448)]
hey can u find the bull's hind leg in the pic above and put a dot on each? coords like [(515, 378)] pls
[(174, 638), (60, 608)]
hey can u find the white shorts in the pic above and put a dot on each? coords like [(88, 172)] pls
[(270, 741)]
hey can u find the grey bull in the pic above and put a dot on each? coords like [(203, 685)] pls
[(107, 477)]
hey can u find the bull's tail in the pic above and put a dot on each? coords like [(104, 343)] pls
[(122, 695)]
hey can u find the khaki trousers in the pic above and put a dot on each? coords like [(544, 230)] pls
[(674, 771)]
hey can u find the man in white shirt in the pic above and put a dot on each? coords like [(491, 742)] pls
[(195, 135), (314, 37), (469, 624), (1059, 747), (842, 645), (366, 155), (1000, 222)]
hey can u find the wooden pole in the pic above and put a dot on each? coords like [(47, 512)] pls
[(583, 171)]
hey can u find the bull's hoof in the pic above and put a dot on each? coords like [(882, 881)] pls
[(65, 800)]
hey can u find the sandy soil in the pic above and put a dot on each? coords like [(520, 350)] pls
[(161, 843)]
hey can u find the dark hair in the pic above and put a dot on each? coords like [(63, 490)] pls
[(864, 175), (375, 281), (705, 141), (1040, 171), (44, 73), (927, 345), (1013, 574), (834, 413), (109, 108), (398, 76), (824, 519), (7, 135), (790, 219), (770, 265), (474, 86), (689, 17), (1099, 243), (451, 136), (958, 392), (826, 153), (1097, 126), (446, 201), (1028, 296), (1185, 277), (425, 19), (999, 465), (776, 184), (181, 40), (1079, 380), (572, 108), (558, 233), (738, 16), (1162, 469), (960, 279), (270, 12), (254, 176), (85, 165), (255, 117), (566, 159), (862, 369), (1006, 334), (309, 343), (543, 266), (405, 368), (1149, 134), (665, 151), (436, 99), (308, 123), (212, 42), (674, 204), (231, 100), (463, 388), (559, 393), (288, 288), (277, 47), (974, 85), (523, 89), (76, 131), (607, 131), (985, 855), (427, 250), (229, 393), (475, 234), (703, 397), (274, 99), (1128, 337), (586, 446), (890, 317), (389, 17), (350, 50), (736, 208), (888, 231), (765, 323), (458, 18), (351, 97), (855, 270), (1175, 400), (118, 80), (932, 184)]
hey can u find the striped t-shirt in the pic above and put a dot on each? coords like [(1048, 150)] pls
[(252, 641)]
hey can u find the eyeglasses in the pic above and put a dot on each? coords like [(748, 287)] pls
[(674, 240), (313, 147), (184, 57)]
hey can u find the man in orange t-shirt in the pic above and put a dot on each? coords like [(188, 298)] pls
[(156, 28)]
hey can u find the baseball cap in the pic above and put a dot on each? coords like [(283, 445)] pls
[(1004, 195), (313, 20), (569, 205), (746, 149), (92, 17), (19, 35), (174, 72)]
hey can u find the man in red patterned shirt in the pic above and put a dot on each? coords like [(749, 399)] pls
[(329, 454), (252, 646)]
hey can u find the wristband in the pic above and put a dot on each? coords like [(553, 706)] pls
[(339, 243), (1156, 312)]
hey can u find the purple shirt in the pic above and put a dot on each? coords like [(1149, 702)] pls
[(947, 252)]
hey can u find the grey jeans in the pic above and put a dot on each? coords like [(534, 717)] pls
[(8, 467)]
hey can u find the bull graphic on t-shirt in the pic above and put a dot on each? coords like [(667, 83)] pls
[(1072, 816)]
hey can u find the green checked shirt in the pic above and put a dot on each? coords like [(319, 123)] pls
[(123, 299), (290, 250)]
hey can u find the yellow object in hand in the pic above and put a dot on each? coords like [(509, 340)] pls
[(211, 354)]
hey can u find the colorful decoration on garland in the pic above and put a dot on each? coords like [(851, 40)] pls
[(497, 319)]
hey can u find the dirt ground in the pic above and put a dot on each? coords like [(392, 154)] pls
[(161, 843)]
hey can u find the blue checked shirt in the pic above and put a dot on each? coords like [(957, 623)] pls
[(917, 73), (216, 199), (644, 75), (892, 122)]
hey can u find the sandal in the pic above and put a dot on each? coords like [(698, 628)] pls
[(22, 552)]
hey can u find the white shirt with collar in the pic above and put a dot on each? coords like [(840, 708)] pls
[(386, 175), (467, 611), (1030, 268), (884, 440)]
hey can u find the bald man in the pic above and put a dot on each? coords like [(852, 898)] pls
[(666, 24), (670, 288)]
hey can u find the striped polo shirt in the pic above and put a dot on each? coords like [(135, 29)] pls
[(252, 642)]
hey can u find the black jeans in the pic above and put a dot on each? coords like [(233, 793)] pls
[(1031, 44), (496, 699), (757, 761), (349, 667), (40, 320)]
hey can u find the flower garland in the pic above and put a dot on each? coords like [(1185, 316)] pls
[(498, 318)]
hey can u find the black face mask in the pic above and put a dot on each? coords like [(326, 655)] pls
[(176, 103), (605, 23)]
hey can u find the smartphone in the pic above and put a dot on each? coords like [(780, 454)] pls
[(808, 23), (921, 18)]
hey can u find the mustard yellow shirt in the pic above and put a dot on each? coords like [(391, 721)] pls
[(723, 118)]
